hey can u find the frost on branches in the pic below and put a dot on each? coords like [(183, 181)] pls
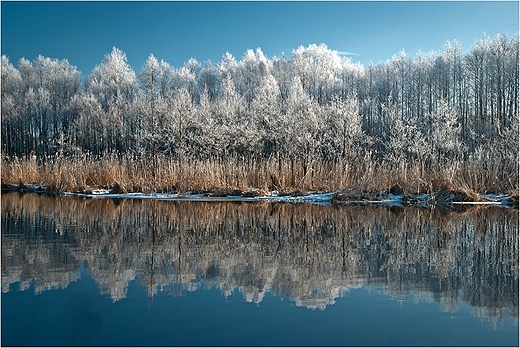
[(316, 107)]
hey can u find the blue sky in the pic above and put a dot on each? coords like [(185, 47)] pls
[(83, 32)]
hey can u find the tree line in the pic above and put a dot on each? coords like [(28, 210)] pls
[(316, 106)]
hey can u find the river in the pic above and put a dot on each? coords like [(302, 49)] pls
[(104, 272)]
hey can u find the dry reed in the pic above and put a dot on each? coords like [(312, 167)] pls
[(126, 174)]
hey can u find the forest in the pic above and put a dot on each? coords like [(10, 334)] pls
[(314, 121)]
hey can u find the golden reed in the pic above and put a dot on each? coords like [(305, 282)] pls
[(122, 173)]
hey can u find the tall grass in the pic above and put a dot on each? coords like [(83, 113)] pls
[(123, 173)]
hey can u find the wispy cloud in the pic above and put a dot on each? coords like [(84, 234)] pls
[(346, 53)]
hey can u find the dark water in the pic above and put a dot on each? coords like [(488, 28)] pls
[(150, 273)]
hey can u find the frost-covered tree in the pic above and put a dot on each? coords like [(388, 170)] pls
[(407, 143), (42, 91), (400, 65), (151, 104), (445, 132), (266, 115), (208, 80), (343, 129), (62, 81), (283, 72), (12, 99), (251, 69), (90, 126), (303, 126), (179, 128), (113, 83), (228, 118), (227, 66), (186, 77), (113, 80), (203, 137), (318, 67)]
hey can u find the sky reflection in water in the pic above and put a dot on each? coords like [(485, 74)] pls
[(179, 273)]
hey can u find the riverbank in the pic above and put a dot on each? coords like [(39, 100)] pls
[(445, 199), (278, 179)]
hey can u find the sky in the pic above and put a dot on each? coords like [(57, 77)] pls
[(367, 31)]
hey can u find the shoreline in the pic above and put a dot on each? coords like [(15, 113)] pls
[(445, 199)]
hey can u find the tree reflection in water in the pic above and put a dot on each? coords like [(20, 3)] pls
[(312, 254)]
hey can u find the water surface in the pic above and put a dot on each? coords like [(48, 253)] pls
[(138, 273)]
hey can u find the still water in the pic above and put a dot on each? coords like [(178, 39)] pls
[(101, 272)]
